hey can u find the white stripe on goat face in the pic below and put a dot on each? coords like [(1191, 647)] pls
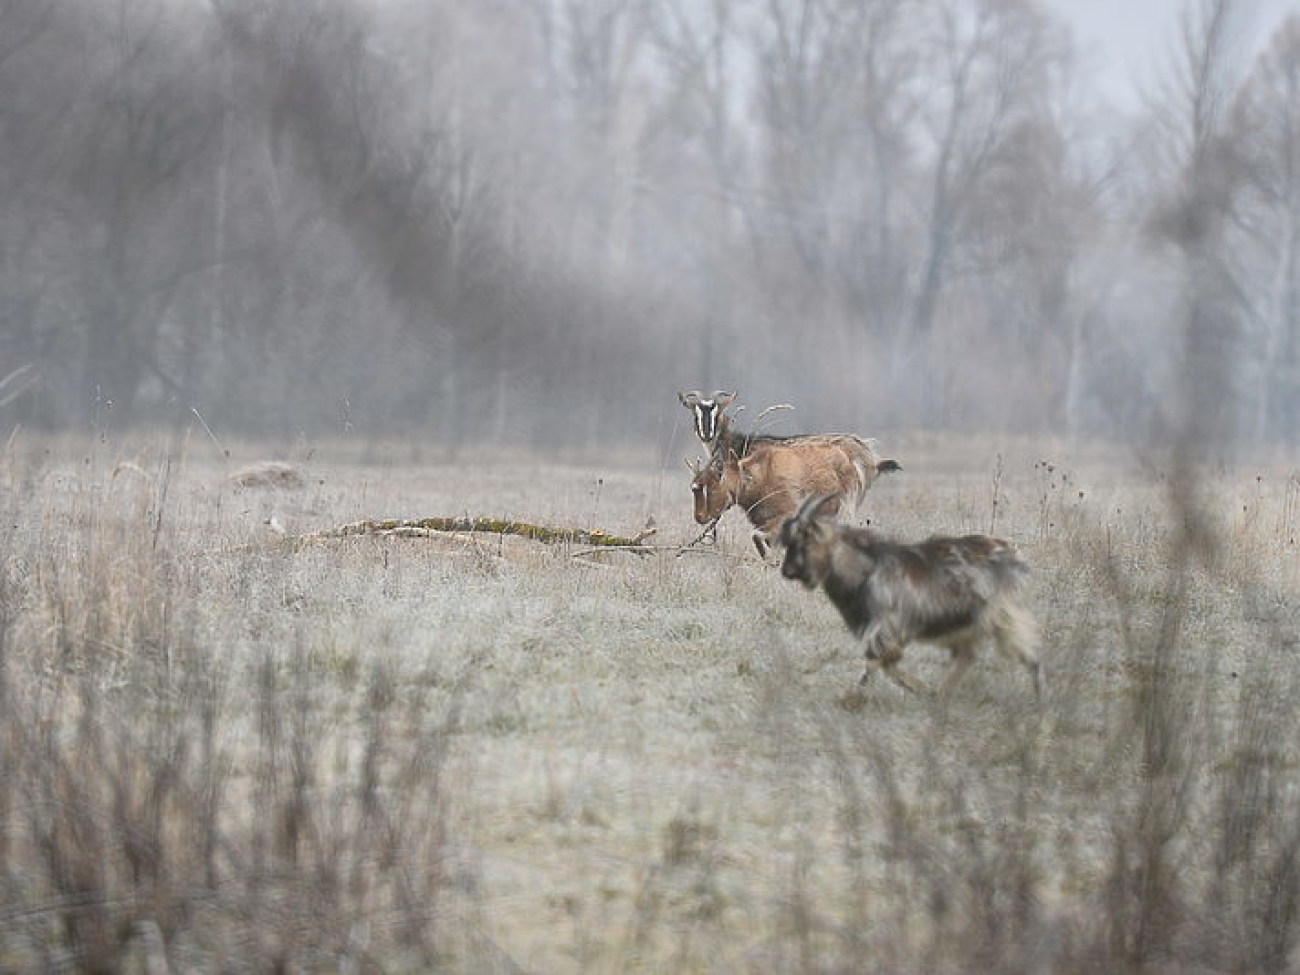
[(706, 419), (706, 412)]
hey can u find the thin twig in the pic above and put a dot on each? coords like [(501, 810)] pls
[(710, 533), (220, 446)]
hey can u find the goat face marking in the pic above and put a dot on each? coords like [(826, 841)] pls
[(706, 411)]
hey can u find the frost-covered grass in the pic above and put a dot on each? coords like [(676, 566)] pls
[(232, 750)]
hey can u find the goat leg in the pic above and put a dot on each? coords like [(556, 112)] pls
[(883, 652), (963, 655)]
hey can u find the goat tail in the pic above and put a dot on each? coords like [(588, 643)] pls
[(867, 466), (865, 472), (1011, 618), (1016, 634)]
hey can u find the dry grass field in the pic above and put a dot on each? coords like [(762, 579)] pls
[(226, 747)]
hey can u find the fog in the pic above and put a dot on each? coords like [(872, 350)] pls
[(531, 222)]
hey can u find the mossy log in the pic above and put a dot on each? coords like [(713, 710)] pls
[(492, 526)]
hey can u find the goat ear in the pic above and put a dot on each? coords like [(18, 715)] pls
[(723, 398), (689, 400)]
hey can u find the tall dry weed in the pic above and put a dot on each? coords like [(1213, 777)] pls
[(172, 799)]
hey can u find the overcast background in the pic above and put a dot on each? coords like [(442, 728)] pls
[(1124, 47), (531, 222)]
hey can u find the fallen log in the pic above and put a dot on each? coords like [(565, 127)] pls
[(491, 526), (597, 541)]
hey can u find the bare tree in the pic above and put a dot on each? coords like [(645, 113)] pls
[(285, 215), (993, 64), (1205, 178), (1264, 130), (595, 54), (1194, 220), (697, 158), (145, 123), (24, 178), (835, 99)]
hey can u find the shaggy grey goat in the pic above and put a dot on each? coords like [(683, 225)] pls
[(950, 591)]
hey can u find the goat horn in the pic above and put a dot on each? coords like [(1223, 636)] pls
[(808, 510)]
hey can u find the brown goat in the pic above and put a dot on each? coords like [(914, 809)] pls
[(954, 592), (773, 479)]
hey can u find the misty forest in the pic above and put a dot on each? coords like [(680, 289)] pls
[(527, 221), (357, 614)]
